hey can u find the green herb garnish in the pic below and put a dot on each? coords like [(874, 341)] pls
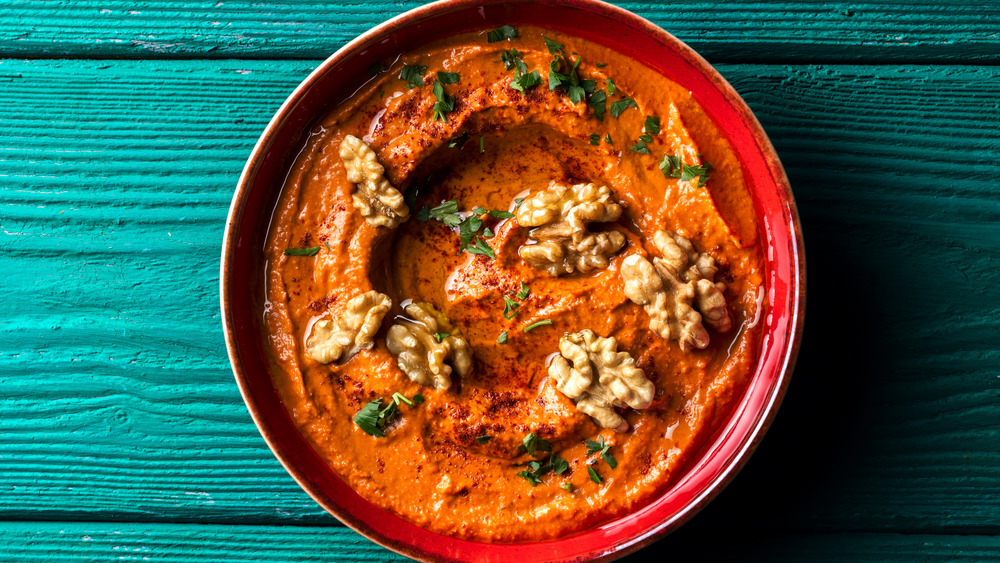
[(525, 291), (558, 464), (598, 102), (447, 213), (367, 418), (610, 85), (459, 141), (440, 336), (482, 145), (621, 105), (418, 398), (483, 439), (448, 77), (502, 339), (673, 167), (567, 487), (530, 476), (525, 81), (533, 326), (533, 443), (480, 247), (501, 33), (607, 139), (595, 139), (553, 46), (640, 147), (377, 68), (599, 446), (652, 125), (601, 65), (444, 103), (512, 58), (413, 75), (509, 307), (311, 251), (594, 475)]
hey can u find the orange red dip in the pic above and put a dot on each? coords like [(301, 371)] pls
[(430, 468)]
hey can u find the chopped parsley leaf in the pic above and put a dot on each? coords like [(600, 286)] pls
[(600, 446), (377, 68), (525, 291), (311, 251), (640, 147), (522, 82), (533, 326), (599, 103), (424, 213), (512, 58), (483, 439), (327, 245), (444, 103), (611, 86), (440, 336), (558, 464), (518, 201), (448, 77), (487, 233), (500, 214), (501, 33), (594, 475), (467, 230), (652, 125), (480, 247), (595, 139), (553, 46), (459, 141), (567, 487), (673, 167), (482, 146), (601, 65), (530, 477), (509, 307), (607, 139), (368, 419), (621, 105), (533, 443), (418, 398), (447, 213), (413, 75), (502, 339)]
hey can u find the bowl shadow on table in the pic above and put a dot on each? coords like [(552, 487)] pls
[(784, 487)]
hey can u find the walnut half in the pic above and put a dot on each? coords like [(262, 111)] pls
[(673, 286), (618, 381), (560, 243), (423, 345), (354, 330), (374, 197)]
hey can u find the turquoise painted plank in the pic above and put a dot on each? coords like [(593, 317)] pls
[(737, 31), (115, 397), (173, 543)]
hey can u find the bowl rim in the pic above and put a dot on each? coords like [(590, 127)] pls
[(797, 283)]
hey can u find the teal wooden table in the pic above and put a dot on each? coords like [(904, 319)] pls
[(124, 126)]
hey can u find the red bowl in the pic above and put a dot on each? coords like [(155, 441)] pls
[(242, 276)]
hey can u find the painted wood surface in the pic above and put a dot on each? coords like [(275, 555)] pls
[(175, 543), (122, 434), (735, 31)]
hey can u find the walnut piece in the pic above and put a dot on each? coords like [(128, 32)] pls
[(618, 381), (421, 355), (378, 202), (673, 287), (561, 242), (352, 331)]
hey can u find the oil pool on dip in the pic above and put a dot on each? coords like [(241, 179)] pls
[(514, 281)]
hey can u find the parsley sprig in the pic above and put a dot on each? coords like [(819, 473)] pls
[(523, 80), (472, 230), (564, 76), (501, 33), (311, 251), (373, 418), (533, 442), (445, 103), (673, 166), (604, 449), (537, 469), (413, 75), (650, 128)]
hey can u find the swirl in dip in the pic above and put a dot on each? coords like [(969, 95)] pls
[(503, 452)]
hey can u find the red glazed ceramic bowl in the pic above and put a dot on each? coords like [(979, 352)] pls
[(242, 278)]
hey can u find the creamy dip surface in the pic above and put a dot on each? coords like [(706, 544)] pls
[(457, 462)]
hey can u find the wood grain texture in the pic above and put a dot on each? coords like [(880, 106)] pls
[(737, 31), (171, 543), (116, 400)]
